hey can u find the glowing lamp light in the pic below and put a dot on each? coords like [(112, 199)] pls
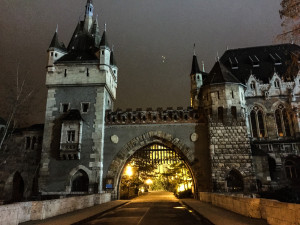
[(181, 188), (149, 181), (129, 171), (142, 190)]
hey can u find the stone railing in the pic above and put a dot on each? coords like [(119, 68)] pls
[(20, 212), (158, 116), (273, 211)]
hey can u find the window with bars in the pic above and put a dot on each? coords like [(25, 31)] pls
[(71, 135)]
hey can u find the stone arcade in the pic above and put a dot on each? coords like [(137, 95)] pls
[(243, 123)]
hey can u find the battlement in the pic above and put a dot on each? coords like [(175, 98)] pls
[(158, 116)]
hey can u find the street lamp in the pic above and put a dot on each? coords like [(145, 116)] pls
[(128, 171)]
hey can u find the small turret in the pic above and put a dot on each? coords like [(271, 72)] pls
[(222, 95), (113, 63), (196, 81), (88, 17), (104, 49), (55, 51)]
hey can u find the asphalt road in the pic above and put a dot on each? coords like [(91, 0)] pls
[(155, 208)]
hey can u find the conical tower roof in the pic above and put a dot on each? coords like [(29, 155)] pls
[(195, 67), (55, 43), (220, 74)]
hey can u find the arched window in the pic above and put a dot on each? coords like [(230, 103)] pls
[(253, 123), (235, 181), (18, 187), (80, 182), (258, 123), (283, 122), (272, 167), (290, 170)]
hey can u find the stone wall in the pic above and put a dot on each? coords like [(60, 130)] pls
[(275, 212), (14, 214), (230, 150)]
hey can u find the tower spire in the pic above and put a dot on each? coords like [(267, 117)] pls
[(88, 17), (194, 49)]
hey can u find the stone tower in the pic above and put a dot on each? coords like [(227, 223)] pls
[(82, 82), (223, 101)]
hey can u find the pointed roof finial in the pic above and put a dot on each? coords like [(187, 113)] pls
[(218, 58), (194, 49), (105, 26), (227, 47), (203, 67), (112, 47), (292, 40), (56, 28)]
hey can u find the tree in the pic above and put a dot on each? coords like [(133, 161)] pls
[(14, 105), (290, 14)]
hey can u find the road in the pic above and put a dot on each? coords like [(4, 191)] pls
[(155, 208)]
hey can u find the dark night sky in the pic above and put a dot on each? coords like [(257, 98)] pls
[(142, 32)]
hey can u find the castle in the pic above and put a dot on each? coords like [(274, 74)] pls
[(241, 132)]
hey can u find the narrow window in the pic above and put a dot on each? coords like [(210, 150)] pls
[(261, 124), (286, 123), (71, 135), (102, 52), (276, 83), (218, 94), (253, 123), (290, 170), (55, 54), (232, 94), (233, 112), (252, 85), (85, 107), (51, 53), (65, 72), (220, 114), (28, 139), (87, 72), (65, 107), (278, 123), (33, 143)]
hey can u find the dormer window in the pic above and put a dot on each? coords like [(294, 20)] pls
[(276, 83), (254, 61), (252, 85), (102, 52), (234, 63), (51, 53), (275, 58), (55, 54)]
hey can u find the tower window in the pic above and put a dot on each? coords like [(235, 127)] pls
[(65, 107), (257, 122), (232, 94), (102, 52), (55, 54), (85, 107), (51, 53), (71, 135), (218, 94), (87, 72), (65, 72), (220, 114)]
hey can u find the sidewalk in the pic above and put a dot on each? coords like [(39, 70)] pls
[(219, 216), (78, 215)]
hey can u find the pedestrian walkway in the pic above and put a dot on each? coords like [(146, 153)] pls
[(220, 216), (79, 215)]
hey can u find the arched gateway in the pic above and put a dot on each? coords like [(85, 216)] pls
[(139, 143)]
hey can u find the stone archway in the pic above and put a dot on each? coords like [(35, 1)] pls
[(153, 137)]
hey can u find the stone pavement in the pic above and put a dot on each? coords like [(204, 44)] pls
[(78, 215), (219, 216)]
